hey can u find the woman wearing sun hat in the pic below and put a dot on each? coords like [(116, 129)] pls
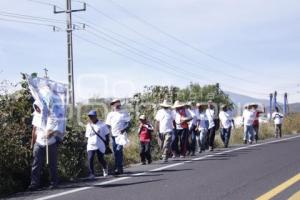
[(182, 118)]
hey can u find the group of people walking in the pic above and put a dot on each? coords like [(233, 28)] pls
[(251, 123), (181, 130), (182, 127)]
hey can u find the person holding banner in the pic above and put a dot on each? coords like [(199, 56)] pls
[(119, 122), (49, 124), (44, 145)]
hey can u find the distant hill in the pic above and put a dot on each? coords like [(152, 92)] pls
[(239, 99), (295, 107)]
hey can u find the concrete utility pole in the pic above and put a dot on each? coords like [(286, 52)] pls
[(69, 30), (285, 103), (271, 106), (46, 72), (275, 100)]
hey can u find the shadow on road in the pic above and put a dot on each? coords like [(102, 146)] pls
[(127, 184)]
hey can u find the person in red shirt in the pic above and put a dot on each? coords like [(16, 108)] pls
[(256, 122), (145, 130)]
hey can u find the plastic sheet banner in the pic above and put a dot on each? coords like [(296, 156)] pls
[(52, 97)]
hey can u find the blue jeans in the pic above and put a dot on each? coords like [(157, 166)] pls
[(225, 136), (192, 145), (91, 155), (248, 133), (118, 153), (39, 155), (202, 139)]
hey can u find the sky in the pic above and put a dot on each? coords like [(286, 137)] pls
[(250, 47)]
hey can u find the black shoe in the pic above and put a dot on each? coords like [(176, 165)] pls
[(245, 141), (32, 188), (149, 162), (52, 187), (119, 172), (143, 163)]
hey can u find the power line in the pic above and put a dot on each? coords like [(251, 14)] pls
[(182, 58), (125, 56), (143, 21), (30, 17), (26, 22), (44, 3), (172, 68), (164, 47)]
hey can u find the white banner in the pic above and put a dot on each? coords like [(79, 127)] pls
[(52, 97)]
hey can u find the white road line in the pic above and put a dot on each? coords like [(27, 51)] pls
[(162, 168), (63, 193)]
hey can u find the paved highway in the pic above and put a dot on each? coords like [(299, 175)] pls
[(269, 170)]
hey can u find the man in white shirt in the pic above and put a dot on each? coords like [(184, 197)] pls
[(97, 133), (278, 120), (118, 122), (202, 127), (41, 138), (226, 124), (164, 128), (248, 119), (182, 118), (212, 117)]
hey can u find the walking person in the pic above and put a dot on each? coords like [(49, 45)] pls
[(192, 142), (278, 121), (226, 124), (164, 126), (212, 119), (145, 132), (256, 122), (43, 139), (97, 133), (118, 121), (248, 118), (182, 118), (202, 127)]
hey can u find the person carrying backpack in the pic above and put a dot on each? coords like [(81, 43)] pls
[(97, 133)]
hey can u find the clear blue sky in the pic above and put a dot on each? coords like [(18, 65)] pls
[(255, 45)]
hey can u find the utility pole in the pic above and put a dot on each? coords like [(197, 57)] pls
[(285, 103), (69, 30), (46, 72), (275, 100), (271, 107)]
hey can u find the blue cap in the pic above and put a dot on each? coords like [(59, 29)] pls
[(92, 113)]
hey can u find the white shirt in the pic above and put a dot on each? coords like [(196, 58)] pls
[(193, 114), (41, 134), (248, 116), (177, 118), (210, 113), (277, 117), (94, 142), (225, 119), (202, 118), (118, 121), (165, 119)]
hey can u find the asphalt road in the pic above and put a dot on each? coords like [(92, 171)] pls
[(237, 173)]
